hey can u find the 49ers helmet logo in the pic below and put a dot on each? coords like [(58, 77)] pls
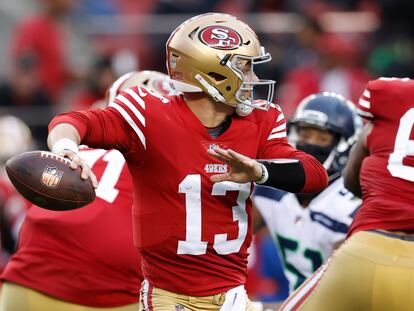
[(220, 37)]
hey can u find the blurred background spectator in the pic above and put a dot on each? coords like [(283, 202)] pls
[(63, 54), (24, 91), (338, 68), (99, 79), (46, 38)]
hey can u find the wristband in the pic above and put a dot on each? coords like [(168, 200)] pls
[(65, 144), (264, 177)]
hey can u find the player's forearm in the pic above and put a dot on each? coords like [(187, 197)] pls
[(60, 132), (358, 153), (315, 174), (308, 175), (289, 176), (304, 175), (351, 175), (96, 128)]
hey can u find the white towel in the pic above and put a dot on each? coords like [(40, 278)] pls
[(235, 299)]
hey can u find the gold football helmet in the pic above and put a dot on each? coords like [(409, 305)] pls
[(152, 80), (216, 53)]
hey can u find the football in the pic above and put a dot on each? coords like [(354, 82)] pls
[(46, 180)]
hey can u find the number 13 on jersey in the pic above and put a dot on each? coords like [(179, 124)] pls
[(193, 244)]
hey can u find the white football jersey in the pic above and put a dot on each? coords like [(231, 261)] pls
[(306, 237)]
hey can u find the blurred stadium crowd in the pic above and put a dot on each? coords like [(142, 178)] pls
[(64, 54)]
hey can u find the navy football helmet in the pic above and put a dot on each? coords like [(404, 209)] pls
[(332, 112)]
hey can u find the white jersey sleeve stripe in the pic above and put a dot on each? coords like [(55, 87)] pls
[(279, 128), (136, 97), (280, 117), (367, 94), (363, 113), (364, 103), (277, 135), (131, 106), (131, 122)]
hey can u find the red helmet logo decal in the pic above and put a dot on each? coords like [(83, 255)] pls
[(220, 37)]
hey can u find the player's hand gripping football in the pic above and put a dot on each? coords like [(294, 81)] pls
[(242, 168), (77, 161)]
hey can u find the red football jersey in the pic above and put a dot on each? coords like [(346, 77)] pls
[(387, 174), (84, 256), (13, 209), (192, 234)]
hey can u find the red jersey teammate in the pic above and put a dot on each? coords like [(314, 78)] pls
[(15, 138), (82, 259), (374, 268), (192, 211)]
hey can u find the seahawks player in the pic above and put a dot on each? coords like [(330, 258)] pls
[(308, 227)]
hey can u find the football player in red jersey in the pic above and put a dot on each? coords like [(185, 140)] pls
[(15, 138), (374, 268), (82, 259), (191, 157)]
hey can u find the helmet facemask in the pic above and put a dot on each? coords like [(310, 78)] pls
[(243, 66)]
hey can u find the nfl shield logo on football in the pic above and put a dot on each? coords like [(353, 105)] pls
[(179, 307), (51, 177)]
